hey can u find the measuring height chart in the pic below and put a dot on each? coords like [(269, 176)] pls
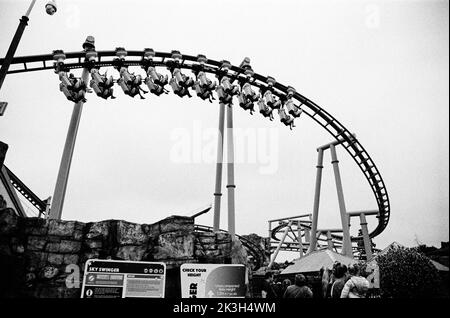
[(213, 281)]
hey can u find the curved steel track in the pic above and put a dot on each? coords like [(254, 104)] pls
[(75, 60)]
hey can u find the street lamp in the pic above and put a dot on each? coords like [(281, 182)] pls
[(50, 8)]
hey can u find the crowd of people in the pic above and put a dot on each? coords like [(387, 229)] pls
[(338, 282)]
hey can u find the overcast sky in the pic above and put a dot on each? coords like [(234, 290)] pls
[(379, 67)]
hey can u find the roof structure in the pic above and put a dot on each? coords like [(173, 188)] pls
[(439, 266), (314, 261)]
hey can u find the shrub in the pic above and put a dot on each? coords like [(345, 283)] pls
[(406, 273)]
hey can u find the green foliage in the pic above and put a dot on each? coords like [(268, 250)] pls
[(406, 273), (425, 249)]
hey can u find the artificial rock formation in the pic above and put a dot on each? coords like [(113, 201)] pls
[(45, 258)]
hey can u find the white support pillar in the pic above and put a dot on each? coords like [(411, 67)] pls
[(280, 244), (365, 234), (66, 160), (313, 241), (346, 243), (299, 239), (230, 172), (308, 230), (219, 166), (330, 241)]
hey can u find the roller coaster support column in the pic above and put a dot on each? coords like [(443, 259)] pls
[(313, 234), (366, 238), (299, 239), (230, 171), (66, 160), (347, 244), (330, 241), (281, 243), (308, 231), (364, 229), (14, 44), (219, 165)]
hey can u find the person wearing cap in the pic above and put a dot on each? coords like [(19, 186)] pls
[(299, 289)]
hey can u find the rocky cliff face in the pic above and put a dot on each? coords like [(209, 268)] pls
[(263, 244), (46, 258)]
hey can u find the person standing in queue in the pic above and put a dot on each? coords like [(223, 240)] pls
[(356, 286), (299, 289), (340, 274), (267, 290), (284, 285)]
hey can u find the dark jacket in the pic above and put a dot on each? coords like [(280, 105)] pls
[(295, 291)]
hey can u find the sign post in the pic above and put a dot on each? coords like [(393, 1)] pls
[(123, 279), (213, 281)]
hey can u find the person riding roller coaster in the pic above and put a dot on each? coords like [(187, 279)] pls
[(74, 89), (130, 83), (156, 81)]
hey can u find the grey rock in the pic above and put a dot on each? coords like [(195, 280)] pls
[(207, 240), (30, 277), (132, 253), (8, 221), (67, 246), (5, 249), (174, 245), (49, 272), (53, 239), (98, 230), (18, 248), (61, 228), (199, 253), (212, 253), (93, 244), (35, 226), (206, 234), (52, 247), (238, 252), (36, 260), (36, 243), (176, 224), (223, 236), (77, 235), (70, 259), (90, 255), (55, 259), (151, 230), (130, 234)]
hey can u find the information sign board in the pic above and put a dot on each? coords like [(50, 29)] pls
[(123, 279), (213, 281)]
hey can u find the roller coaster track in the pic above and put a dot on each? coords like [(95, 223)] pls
[(278, 229), (256, 251), (40, 205), (75, 60)]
